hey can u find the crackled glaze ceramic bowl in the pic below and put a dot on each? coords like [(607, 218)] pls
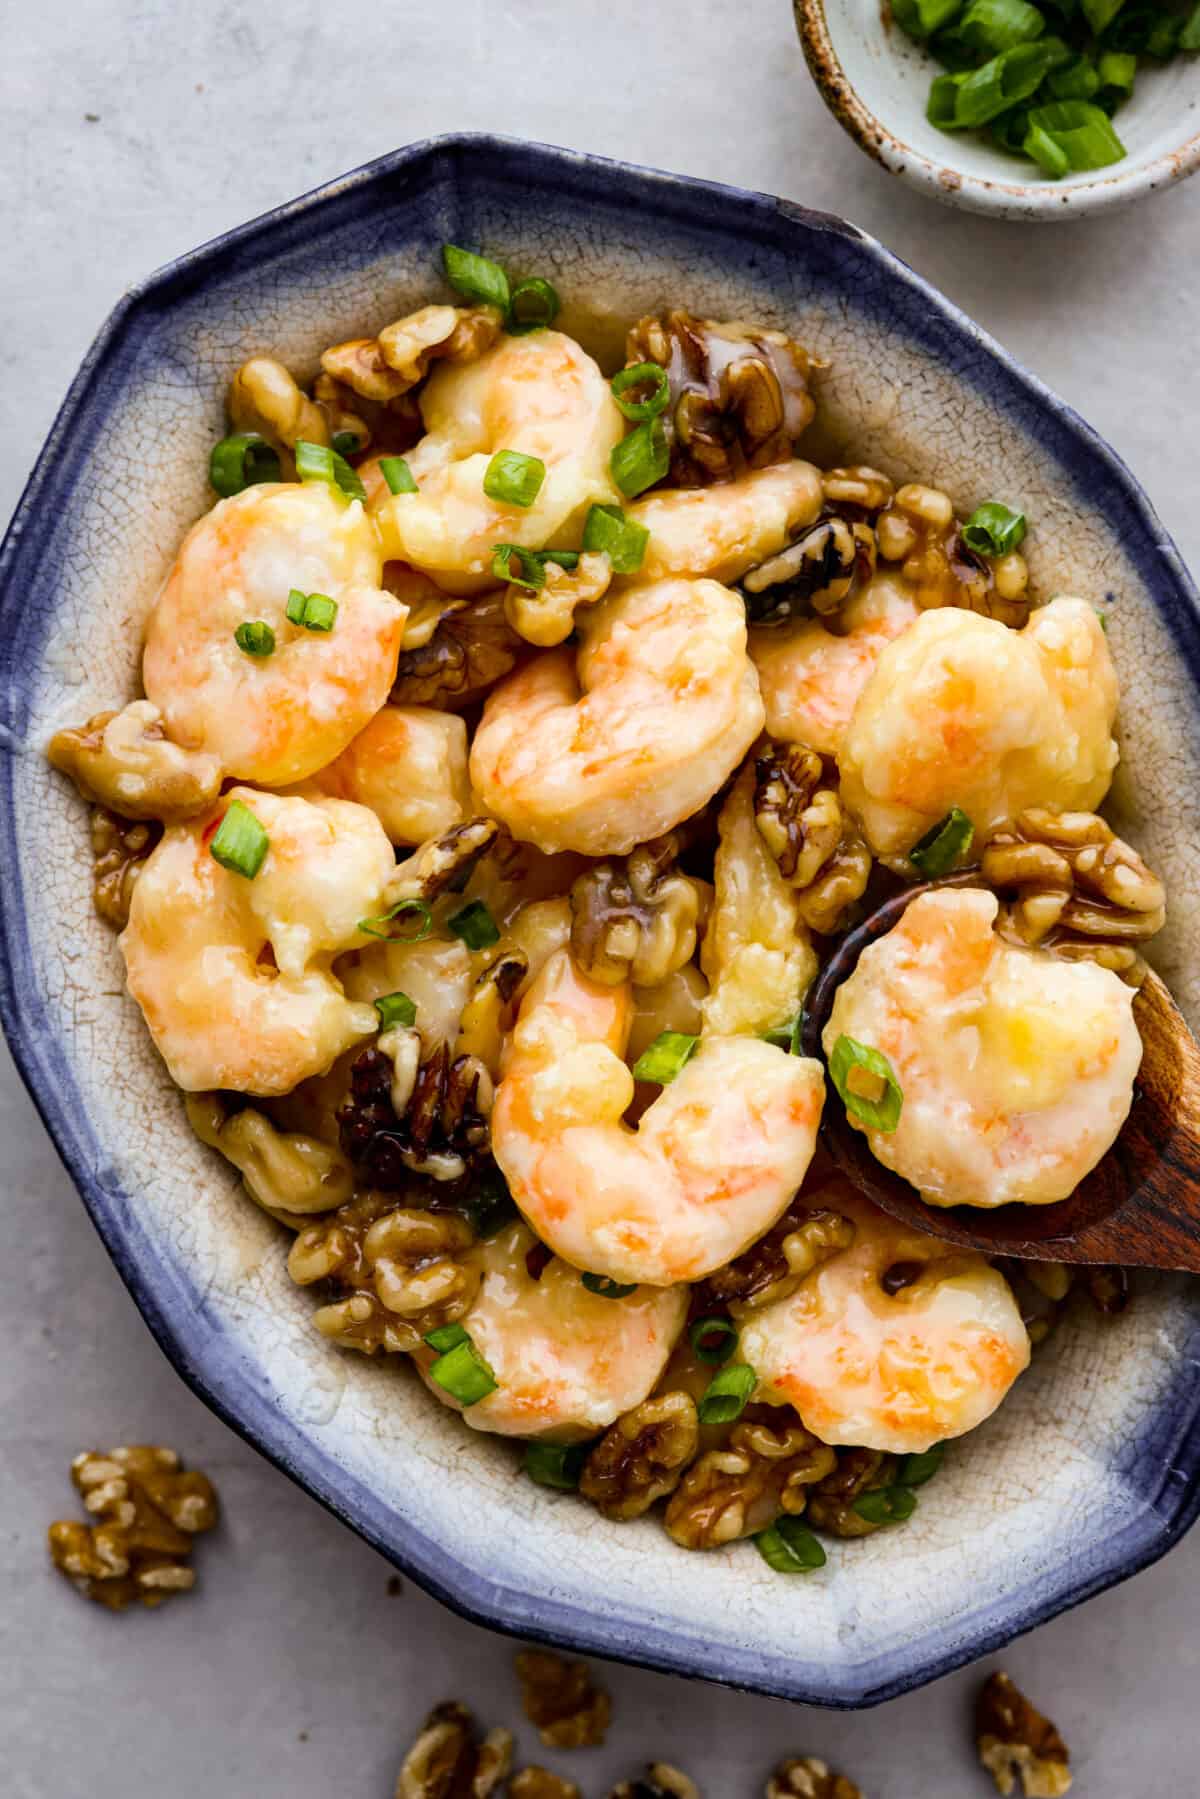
[(1092, 1468)]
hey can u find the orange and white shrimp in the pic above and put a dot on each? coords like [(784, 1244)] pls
[(409, 765), (891, 1370), (234, 975), (602, 750), (724, 530), (566, 1361), (1016, 1067), (963, 711), (540, 395), (811, 678), (273, 719), (710, 1167)]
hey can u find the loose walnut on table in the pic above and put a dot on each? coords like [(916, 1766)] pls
[(1015, 1741), (805, 1777), (447, 1761), (660, 1781), (148, 1511), (538, 1783), (559, 1697)]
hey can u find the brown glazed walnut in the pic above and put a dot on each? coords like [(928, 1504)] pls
[(402, 1272), (805, 1777), (831, 1502), (120, 847), (442, 863), (448, 1762), (469, 651), (817, 573), (642, 1456), (920, 532), (766, 1466), (774, 1266), (633, 918), (1015, 1741), (488, 1014), (344, 416), (802, 821), (288, 1173), (660, 1781), (539, 1783), (442, 1131), (125, 761), (265, 397), (1070, 885), (858, 490), (545, 615), (559, 1697), (148, 1510), (382, 369), (739, 396)]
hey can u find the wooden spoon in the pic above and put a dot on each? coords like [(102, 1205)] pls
[(1139, 1206)]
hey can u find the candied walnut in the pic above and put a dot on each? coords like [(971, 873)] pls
[(1071, 885), (861, 487), (443, 863), (290, 1175), (403, 1272), (455, 334), (148, 1510), (545, 615), (739, 395), (405, 1116), (765, 1467), (919, 530), (488, 1013), (539, 1783), (120, 847), (634, 917), (265, 397), (559, 1697), (773, 1267), (470, 650), (1015, 1741), (803, 823), (660, 1781), (817, 573), (448, 1762), (806, 1777), (125, 761), (342, 415), (642, 1456), (831, 1502)]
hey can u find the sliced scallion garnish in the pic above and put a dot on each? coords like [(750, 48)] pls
[(476, 277), (641, 375), (555, 1464), (943, 845), (240, 843), (463, 1373), (1012, 76), (514, 479), (534, 304), (312, 611), (994, 529), (621, 539), (474, 925), (921, 18), (255, 637), (243, 459), (789, 1547), (405, 908), (346, 443), (521, 567), (446, 1337), (1081, 131), (713, 1340), (663, 1059), (397, 474), (395, 1009), (320, 462), (789, 1035), (915, 1470), (886, 1505), (991, 26), (604, 1288), (640, 459), (727, 1394), (868, 1087)]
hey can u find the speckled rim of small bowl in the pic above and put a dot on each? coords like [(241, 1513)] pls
[(1035, 201)]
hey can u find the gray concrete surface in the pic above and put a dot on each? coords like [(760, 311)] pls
[(292, 1673)]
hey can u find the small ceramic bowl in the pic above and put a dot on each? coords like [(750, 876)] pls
[(1092, 1468), (875, 81)]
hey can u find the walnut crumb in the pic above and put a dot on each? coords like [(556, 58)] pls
[(660, 1781), (805, 1777), (558, 1696), (1015, 1741), (147, 1510), (539, 1783)]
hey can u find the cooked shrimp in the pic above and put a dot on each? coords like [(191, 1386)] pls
[(711, 1166), (811, 679), (962, 711), (540, 395), (603, 750), (896, 1371), (1016, 1068), (566, 1361), (273, 719), (233, 975), (724, 530), (409, 765)]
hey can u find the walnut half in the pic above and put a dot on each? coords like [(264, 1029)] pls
[(560, 1699), (448, 1762), (802, 821), (773, 1267), (148, 1510), (660, 1781), (766, 1467), (831, 1502), (125, 761), (642, 1456), (805, 1777), (635, 918), (1015, 1741)]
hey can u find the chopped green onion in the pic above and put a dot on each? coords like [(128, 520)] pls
[(255, 637), (886, 1505), (608, 1289), (395, 1009), (1189, 36), (397, 474), (244, 459), (296, 602), (637, 375), (991, 26), (447, 1337), (1076, 80), (464, 1374), (713, 1339), (1117, 69), (856, 1065), (1101, 13), (1007, 79), (313, 611), (240, 843), (640, 459), (942, 106), (939, 849), (921, 18), (788, 1035), (346, 443), (527, 568), (727, 1393), (376, 927), (663, 1059), (994, 529), (476, 277), (533, 306), (915, 1470), (1163, 38), (1081, 131), (619, 538), (1039, 145), (514, 479), (474, 924), (789, 1547), (556, 1464), (318, 462), (489, 1206)]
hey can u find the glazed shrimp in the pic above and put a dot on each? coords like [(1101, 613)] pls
[(277, 718), (233, 975), (811, 679), (540, 395), (603, 750), (409, 765), (722, 531), (1016, 1068), (566, 1361), (710, 1167), (893, 1371)]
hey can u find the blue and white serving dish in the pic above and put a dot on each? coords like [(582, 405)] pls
[(1092, 1469)]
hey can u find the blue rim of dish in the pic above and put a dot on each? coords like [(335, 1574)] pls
[(212, 1368)]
